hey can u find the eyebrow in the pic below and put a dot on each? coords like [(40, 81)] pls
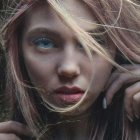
[(54, 34), (46, 31)]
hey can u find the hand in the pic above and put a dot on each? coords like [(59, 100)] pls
[(11, 130), (132, 93)]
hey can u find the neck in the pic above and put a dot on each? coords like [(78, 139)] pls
[(75, 128)]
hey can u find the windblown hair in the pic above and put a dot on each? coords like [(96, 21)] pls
[(121, 22)]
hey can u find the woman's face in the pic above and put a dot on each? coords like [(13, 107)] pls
[(55, 60)]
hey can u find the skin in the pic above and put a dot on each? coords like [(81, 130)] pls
[(132, 92), (11, 130), (70, 62), (65, 64)]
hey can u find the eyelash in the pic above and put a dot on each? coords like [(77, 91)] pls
[(43, 43), (49, 43)]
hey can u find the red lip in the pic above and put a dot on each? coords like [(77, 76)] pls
[(68, 95), (68, 90)]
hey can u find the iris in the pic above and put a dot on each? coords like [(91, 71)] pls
[(43, 43)]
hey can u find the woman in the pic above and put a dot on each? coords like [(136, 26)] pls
[(62, 61)]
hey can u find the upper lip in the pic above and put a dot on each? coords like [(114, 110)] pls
[(68, 90)]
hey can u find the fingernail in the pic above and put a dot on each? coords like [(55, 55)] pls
[(104, 103), (129, 118)]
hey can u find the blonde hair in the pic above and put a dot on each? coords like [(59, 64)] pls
[(121, 21)]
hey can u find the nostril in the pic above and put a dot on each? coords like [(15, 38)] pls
[(68, 71), (68, 74)]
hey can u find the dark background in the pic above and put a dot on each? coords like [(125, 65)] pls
[(3, 109)]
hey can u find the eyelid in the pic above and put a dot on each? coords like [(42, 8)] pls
[(40, 38), (34, 40), (56, 40), (43, 32), (43, 43)]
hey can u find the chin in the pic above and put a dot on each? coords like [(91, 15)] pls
[(77, 112)]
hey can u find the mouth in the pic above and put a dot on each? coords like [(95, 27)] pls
[(68, 95)]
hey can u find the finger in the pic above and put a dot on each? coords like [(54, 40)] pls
[(9, 137), (113, 77), (129, 99), (134, 68), (129, 67), (122, 79), (115, 86), (14, 127), (136, 105)]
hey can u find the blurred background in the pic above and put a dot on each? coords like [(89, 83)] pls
[(3, 108)]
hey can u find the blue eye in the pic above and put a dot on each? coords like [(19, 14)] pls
[(43, 43)]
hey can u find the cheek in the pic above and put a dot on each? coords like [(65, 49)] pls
[(101, 73), (40, 70), (102, 70)]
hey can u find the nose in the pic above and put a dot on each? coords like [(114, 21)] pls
[(69, 65), (68, 70)]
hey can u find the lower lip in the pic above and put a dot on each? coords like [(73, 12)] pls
[(68, 98)]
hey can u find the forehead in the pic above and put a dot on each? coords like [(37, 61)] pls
[(42, 15)]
